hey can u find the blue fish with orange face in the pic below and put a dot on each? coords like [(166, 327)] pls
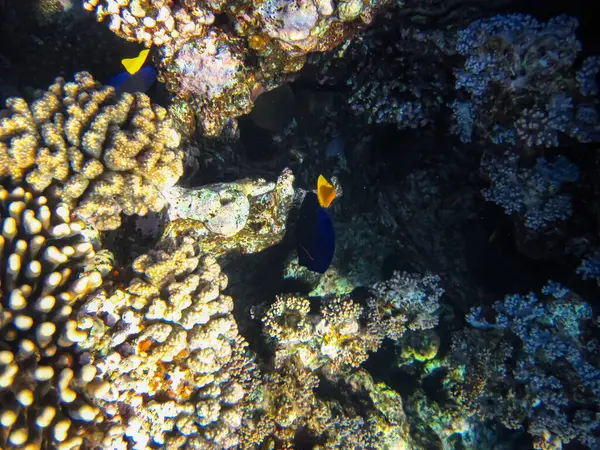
[(315, 236)]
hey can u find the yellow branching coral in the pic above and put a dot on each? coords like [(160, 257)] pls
[(170, 348), (383, 424), (290, 403), (100, 154), (333, 342), (41, 386)]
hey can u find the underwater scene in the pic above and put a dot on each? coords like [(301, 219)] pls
[(299, 224)]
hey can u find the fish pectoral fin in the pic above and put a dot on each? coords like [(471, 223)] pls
[(307, 253)]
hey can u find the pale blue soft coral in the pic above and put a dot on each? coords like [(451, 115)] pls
[(533, 192), (554, 364), (590, 267), (520, 78), (549, 330), (514, 50), (416, 296), (586, 77), (464, 119)]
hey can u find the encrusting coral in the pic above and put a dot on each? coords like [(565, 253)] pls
[(170, 348), (248, 215), (42, 386), (99, 153), (211, 75)]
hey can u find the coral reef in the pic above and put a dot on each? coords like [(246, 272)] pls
[(406, 301), (208, 65), (192, 325), (170, 348), (99, 154), (43, 388)]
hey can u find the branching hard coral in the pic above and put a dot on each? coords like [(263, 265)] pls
[(534, 193), (169, 346), (332, 342), (406, 301), (590, 266), (100, 154), (519, 76), (156, 22), (42, 387)]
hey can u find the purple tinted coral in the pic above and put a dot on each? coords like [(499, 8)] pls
[(207, 66)]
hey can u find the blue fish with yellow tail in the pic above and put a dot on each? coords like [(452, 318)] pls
[(315, 236), (136, 77)]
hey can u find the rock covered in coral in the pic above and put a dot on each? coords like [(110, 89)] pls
[(300, 26), (249, 215), (210, 73), (100, 154), (223, 207), (170, 348), (42, 386), (291, 404)]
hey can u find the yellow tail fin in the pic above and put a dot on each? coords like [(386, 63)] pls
[(132, 65), (325, 192)]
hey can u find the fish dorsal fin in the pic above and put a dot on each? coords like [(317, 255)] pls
[(325, 192), (133, 65)]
